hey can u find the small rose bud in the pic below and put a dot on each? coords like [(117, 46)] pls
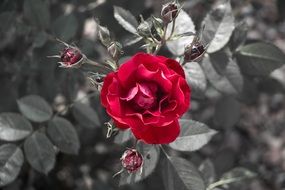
[(104, 35), (144, 29), (71, 57), (132, 160), (194, 51), (169, 12), (115, 50)]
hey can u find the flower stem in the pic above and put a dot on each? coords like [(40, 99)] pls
[(102, 66), (162, 41), (172, 30)]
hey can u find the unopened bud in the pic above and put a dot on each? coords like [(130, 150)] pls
[(144, 29), (194, 51), (132, 160), (115, 50), (71, 57), (169, 12)]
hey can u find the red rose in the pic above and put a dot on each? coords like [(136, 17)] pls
[(147, 94)]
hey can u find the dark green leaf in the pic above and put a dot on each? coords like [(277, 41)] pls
[(223, 73), (37, 12), (65, 27), (193, 136), (208, 172), (123, 136), (126, 19), (63, 135), (14, 127), (35, 108), (259, 59), (11, 161), (239, 35), (183, 24), (227, 112), (150, 155), (40, 152), (196, 79), (85, 115), (181, 174), (218, 27)]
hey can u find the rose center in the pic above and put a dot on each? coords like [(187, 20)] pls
[(143, 95)]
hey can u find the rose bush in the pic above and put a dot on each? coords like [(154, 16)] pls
[(147, 94)]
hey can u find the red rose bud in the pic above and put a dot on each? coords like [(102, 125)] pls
[(169, 12), (194, 51), (132, 160), (71, 57)]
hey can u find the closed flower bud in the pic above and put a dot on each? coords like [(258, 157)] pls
[(104, 35), (132, 160), (169, 12), (144, 29), (71, 57), (115, 50), (194, 51)]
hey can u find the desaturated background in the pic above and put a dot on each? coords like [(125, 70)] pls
[(253, 135)]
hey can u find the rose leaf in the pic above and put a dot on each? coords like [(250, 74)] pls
[(63, 135), (126, 19), (40, 152), (35, 108), (14, 126), (11, 161), (259, 59), (193, 136)]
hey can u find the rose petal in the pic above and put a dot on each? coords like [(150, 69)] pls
[(175, 66), (131, 94), (157, 135)]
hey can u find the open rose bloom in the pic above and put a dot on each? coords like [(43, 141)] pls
[(147, 94)]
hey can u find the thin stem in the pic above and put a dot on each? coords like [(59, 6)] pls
[(103, 66), (172, 30), (162, 41), (135, 143), (164, 151)]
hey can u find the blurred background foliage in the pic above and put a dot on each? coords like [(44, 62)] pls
[(252, 135)]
